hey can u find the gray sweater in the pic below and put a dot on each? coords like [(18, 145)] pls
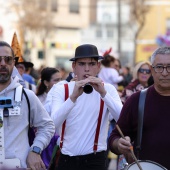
[(16, 127)]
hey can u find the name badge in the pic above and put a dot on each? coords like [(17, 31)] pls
[(11, 111)]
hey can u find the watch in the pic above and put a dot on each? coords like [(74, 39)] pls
[(36, 149)]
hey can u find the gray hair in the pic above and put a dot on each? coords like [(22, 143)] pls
[(161, 50)]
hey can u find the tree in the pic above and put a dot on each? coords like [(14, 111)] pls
[(33, 16), (138, 12)]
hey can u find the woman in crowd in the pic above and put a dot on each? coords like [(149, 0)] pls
[(108, 73), (117, 65), (49, 77), (141, 76)]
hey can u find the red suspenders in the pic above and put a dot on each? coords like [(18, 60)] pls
[(64, 124), (98, 126), (98, 123)]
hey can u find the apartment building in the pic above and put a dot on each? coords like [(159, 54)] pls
[(48, 30), (69, 17), (104, 32)]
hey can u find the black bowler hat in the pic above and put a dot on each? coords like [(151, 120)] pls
[(86, 51), (27, 64)]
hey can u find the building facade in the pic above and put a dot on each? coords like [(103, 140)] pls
[(69, 23), (157, 24)]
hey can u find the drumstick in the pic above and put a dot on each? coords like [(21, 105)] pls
[(131, 147)]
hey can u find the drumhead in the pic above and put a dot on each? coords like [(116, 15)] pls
[(146, 165)]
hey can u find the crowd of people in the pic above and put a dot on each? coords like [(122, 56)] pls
[(81, 121)]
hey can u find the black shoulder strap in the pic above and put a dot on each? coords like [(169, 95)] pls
[(141, 107), (28, 102), (30, 86)]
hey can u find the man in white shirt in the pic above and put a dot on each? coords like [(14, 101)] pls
[(83, 142)]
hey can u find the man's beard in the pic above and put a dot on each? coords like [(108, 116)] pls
[(4, 77)]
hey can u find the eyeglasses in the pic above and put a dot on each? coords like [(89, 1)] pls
[(7, 59), (160, 68), (142, 70)]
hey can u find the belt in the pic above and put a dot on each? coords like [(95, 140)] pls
[(85, 156)]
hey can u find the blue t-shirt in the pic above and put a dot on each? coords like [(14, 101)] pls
[(28, 78)]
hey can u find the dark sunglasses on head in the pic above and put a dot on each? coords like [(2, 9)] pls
[(142, 70), (20, 66), (7, 59)]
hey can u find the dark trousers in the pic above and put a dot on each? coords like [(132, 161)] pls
[(84, 162)]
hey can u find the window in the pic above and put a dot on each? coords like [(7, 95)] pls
[(110, 33), (43, 4), (53, 45), (40, 54), (54, 4), (168, 26), (64, 62), (27, 53), (107, 18), (98, 33), (168, 23), (126, 58), (74, 6)]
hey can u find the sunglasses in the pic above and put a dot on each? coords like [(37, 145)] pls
[(142, 70), (20, 66), (7, 59)]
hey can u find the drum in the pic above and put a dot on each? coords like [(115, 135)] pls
[(146, 165)]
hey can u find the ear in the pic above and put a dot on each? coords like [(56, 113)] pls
[(46, 83)]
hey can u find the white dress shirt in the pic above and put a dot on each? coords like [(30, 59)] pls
[(82, 116)]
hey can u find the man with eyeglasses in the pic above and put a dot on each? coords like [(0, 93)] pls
[(15, 150), (155, 144)]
